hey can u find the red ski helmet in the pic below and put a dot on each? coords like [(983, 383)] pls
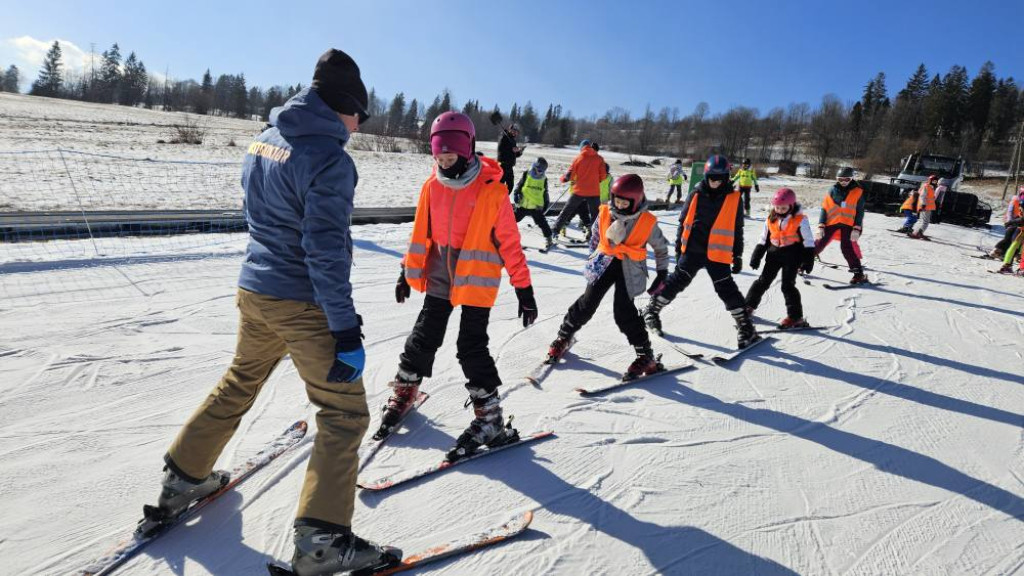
[(628, 187), (933, 178), (784, 197), (453, 132)]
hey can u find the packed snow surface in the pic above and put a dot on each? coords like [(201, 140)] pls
[(890, 444)]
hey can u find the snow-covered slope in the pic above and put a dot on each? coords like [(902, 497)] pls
[(889, 445)]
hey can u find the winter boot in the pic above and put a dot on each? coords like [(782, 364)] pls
[(996, 254), (177, 492), (859, 277), (320, 552), (548, 243), (1005, 269), (487, 427), (406, 387), (903, 230), (644, 365), (790, 322), (652, 314), (746, 334)]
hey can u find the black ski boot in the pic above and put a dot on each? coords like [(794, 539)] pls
[(746, 334), (320, 552), (487, 427), (644, 365), (406, 387), (652, 314)]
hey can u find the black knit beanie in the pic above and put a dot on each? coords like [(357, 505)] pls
[(336, 80)]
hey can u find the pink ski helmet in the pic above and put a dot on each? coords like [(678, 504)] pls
[(784, 197), (453, 132)]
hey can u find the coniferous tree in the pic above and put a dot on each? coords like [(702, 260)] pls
[(134, 81), (238, 100), (108, 85), (12, 80), (396, 114), (50, 80), (411, 122), (205, 100)]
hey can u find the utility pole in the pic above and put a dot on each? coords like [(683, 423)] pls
[(1018, 151)]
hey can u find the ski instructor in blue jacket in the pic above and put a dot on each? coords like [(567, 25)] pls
[(295, 298)]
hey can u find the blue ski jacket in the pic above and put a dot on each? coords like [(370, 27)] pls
[(299, 186)]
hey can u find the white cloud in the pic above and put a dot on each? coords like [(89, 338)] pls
[(28, 53)]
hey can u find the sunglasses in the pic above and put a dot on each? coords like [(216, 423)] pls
[(844, 179)]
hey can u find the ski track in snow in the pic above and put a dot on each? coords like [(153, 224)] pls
[(889, 444)]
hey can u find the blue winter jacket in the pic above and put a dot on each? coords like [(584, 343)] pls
[(299, 185)]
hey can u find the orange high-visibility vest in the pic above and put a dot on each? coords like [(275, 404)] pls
[(478, 269), (787, 236), (846, 213), (910, 203), (926, 197), (723, 231), (1018, 210), (634, 246)]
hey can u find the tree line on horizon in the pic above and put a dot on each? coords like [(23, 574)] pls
[(977, 118)]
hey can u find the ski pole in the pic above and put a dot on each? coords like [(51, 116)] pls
[(556, 200)]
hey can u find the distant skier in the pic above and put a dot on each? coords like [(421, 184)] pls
[(843, 212), (926, 205), (710, 238), (618, 259), (464, 233), (746, 177), (909, 211), (531, 198), (585, 175), (787, 245), (295, 299), (676, 177), (1013, 219), (606, 184), (508, 151)]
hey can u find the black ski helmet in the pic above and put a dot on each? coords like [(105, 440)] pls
[(844, 172)]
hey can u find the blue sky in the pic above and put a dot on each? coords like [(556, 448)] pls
[(587, 55)]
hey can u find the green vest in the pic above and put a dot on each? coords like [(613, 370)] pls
[(533, 192), (606, 189)]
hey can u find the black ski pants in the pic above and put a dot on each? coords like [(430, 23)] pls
[(745, 190), (627, 317), (687, 267), (845, 244), (538, 218), (508, 177), (674, 188), (1008, 236), (787, 260), (585, 207), (428, 335)]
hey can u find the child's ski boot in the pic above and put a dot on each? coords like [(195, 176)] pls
[(746, 334), (487, 427), (406, 387), (644, 365), (788, 323)]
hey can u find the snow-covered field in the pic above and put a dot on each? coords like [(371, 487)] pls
[(890, 444)]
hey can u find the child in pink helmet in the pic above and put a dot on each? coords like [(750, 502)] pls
[(787, 245)]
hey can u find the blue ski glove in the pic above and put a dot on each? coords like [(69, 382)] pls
[(349, 356)]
